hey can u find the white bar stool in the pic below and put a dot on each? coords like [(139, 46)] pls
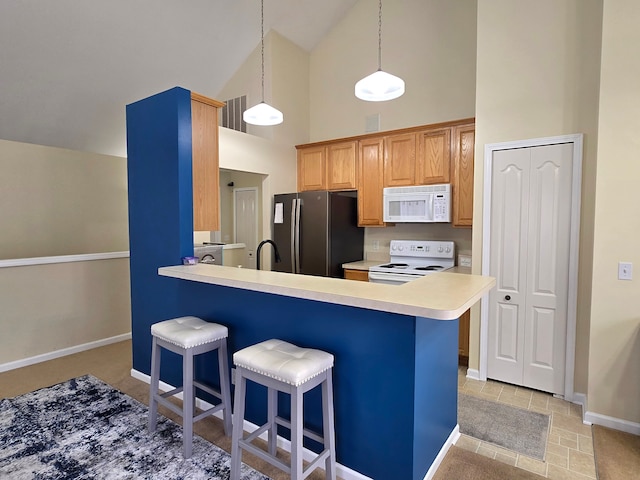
[(189, 336), (284, 367)]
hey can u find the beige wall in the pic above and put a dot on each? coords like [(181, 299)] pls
[(46, 308), (240, 180), (614, 349), (275, 161), (430, 44), (55, 201), (538, 76), (286, 87)]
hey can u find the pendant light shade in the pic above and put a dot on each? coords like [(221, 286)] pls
[(379, 86), (262, 113)]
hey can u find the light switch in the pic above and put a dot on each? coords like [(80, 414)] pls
[(625, 270)]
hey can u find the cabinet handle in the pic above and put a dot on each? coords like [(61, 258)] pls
[(507, 297)]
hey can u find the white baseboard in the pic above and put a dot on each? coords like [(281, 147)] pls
[(25, 362), (453, 438), (581, 399), (612, 422), (473, 374), (343, 472)]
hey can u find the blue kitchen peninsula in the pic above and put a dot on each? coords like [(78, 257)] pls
[(395, 347)]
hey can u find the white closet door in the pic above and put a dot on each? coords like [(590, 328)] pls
[(548, 267), (530, 227), (509, 204)]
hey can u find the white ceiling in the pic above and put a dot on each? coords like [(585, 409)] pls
[(69, 67)]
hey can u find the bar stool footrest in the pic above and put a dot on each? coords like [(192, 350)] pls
[(283, 422)]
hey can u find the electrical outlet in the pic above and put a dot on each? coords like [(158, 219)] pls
[(625, 271), (376, 245)]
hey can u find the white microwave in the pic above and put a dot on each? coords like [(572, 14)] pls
[(418, 204)]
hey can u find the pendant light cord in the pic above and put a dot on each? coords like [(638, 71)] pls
[(380, 35), (262, 42)]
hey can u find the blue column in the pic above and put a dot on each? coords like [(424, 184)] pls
[(160, 208)]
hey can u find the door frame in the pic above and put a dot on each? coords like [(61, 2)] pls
[(235, 226), (574, 250)]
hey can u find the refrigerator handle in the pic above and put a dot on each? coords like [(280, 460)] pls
[(297, 244), (293, 235)]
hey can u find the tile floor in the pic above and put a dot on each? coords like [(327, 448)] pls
[(569, 452)]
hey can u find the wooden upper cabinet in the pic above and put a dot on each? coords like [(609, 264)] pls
[(341, 166), (462, 183), (312, 168), (204, 148), (433, 161), (399, 160), (370, 182)]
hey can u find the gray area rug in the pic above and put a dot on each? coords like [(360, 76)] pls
[(86, 429), (513, 428)]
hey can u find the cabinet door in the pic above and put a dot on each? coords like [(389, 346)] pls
[(370, 184), (341, 166), (462, 184), (360, 275), (312, 169), (433, 162), (400, 160), (463, 334), (204, 133)]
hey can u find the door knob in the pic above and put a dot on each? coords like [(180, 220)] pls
[(507, 297)]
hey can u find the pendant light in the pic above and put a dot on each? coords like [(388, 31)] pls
[(379, 86), (262, 113)]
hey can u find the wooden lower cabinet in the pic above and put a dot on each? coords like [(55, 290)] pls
[(463, 338), (361, 275)]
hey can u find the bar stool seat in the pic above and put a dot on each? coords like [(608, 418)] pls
[(284, 367), (189, 336)]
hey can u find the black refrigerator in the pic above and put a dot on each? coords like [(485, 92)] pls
[(316, 232)]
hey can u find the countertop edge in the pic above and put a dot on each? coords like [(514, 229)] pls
[(410, 297)]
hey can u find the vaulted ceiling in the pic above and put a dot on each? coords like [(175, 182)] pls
[(69, 67)]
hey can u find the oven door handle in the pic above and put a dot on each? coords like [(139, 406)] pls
[(377, 277)]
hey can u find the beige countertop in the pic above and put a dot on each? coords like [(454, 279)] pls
[(442, 296), (361, 265), (459, 269)]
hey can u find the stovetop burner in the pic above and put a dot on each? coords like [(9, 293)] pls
[(395, 265), (429, 267)]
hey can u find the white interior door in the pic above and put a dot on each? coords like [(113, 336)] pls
[(530, 256), (245, 207)]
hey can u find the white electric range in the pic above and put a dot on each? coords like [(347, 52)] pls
[(412, 259)]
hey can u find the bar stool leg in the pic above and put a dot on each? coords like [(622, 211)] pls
[(225, 388), (238, 421), (154, 385), (272, 412), (188, 399), (296, 434), (328, 427)]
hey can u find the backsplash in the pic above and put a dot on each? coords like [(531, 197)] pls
[(377, 240)]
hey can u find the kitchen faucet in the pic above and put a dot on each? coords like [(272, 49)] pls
[(275, 251)]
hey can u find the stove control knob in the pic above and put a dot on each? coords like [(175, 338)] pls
[(440, 249), (393, 247), (400, 248), (448, 250)]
